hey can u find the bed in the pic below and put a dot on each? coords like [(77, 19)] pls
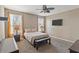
[(37, 38)]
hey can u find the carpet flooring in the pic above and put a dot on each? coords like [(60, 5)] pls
[(57, 46)]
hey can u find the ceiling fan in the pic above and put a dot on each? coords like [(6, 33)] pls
[(45, 9)]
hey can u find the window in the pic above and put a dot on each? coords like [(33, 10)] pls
[(40, 23), (15, 24)]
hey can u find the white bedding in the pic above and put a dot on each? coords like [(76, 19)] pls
[(34, 35)]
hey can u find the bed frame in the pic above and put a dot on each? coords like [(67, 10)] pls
[(39, 42)]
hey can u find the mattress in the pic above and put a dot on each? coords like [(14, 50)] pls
[(35, 35)]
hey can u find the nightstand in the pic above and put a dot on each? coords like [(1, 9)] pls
[(17, 38)]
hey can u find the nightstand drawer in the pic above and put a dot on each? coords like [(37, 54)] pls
[(17, 38)]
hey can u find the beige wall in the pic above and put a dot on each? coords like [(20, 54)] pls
[(70, 29), (26, 19), (30, 20)]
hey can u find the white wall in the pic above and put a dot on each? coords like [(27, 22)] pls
[(70, 29), (49, 26), (2, 25)]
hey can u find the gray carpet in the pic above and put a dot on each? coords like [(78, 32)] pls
[(57, 46)]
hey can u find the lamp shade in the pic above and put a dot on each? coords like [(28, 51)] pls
[(3, 18)]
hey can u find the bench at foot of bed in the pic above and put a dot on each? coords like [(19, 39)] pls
[(39, 42)]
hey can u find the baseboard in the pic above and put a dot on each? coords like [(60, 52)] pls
[(62, 39)]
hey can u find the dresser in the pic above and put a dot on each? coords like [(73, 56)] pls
[(17, 37)]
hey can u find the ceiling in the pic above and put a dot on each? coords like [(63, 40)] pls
[(32, 8)]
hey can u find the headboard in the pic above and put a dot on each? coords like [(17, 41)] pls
[(30, 28)]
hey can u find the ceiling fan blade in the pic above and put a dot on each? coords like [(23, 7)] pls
[(45, 9), (48, 11), (41, 11), (50, 8)]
